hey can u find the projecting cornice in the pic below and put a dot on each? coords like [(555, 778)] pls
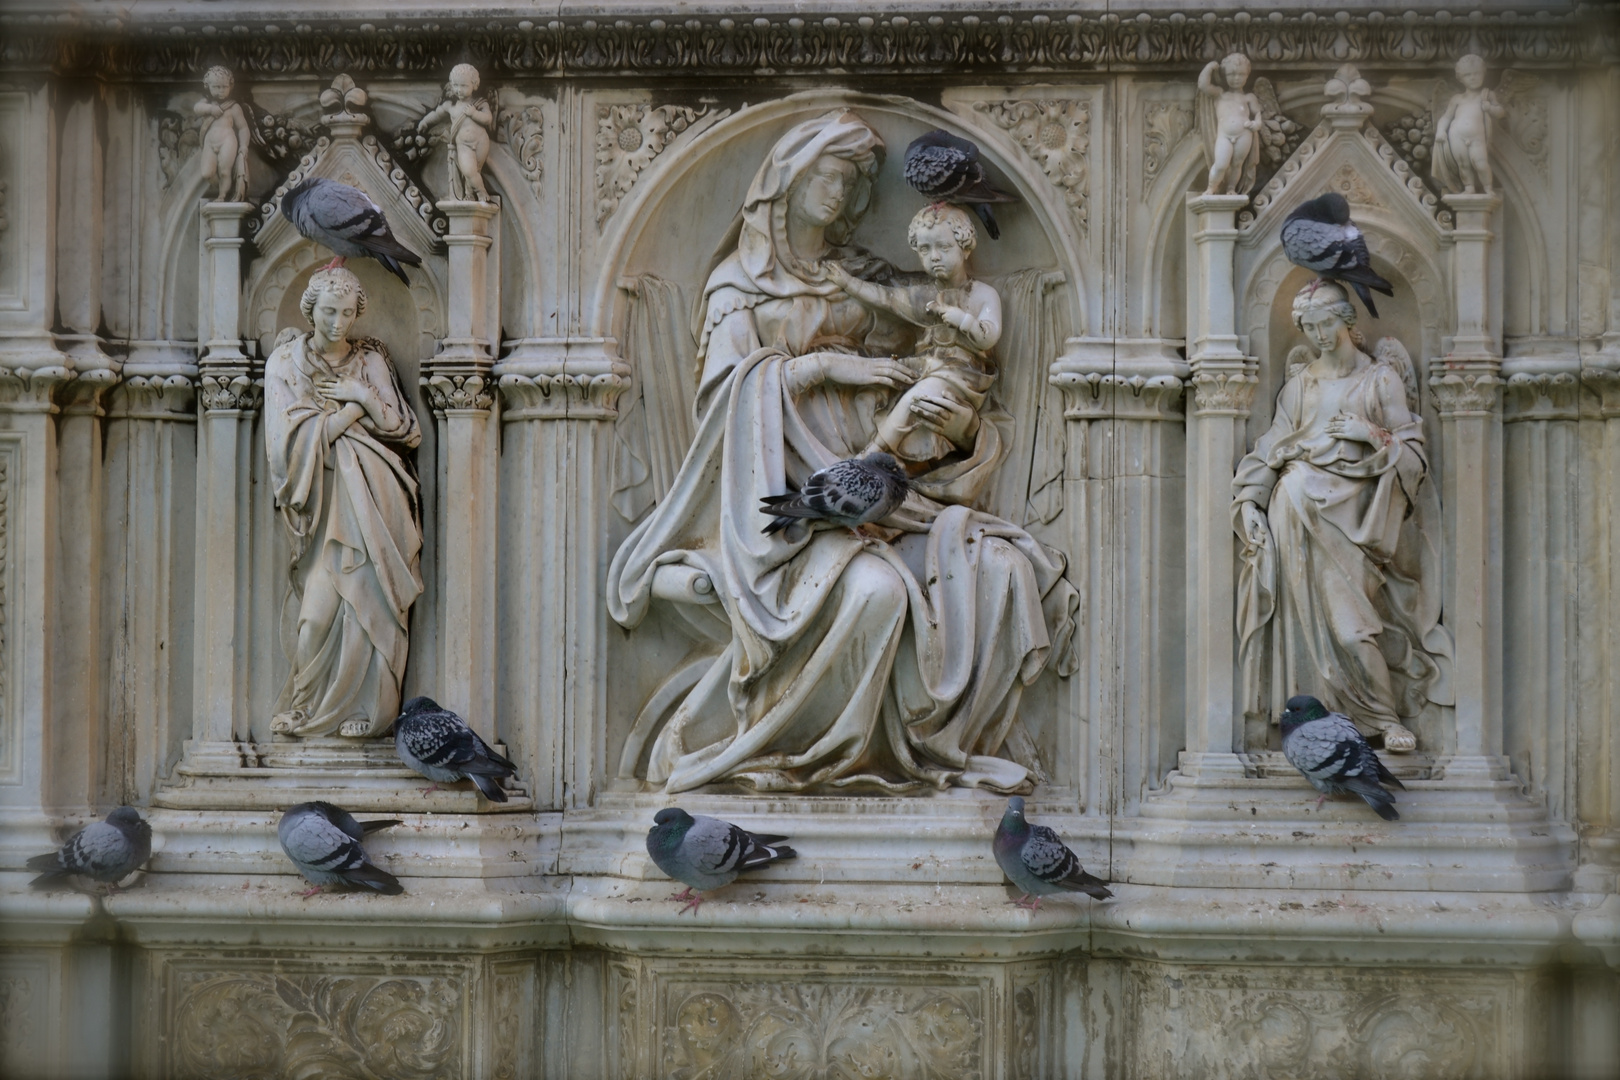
[(140, 41)]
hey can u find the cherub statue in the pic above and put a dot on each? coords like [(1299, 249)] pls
[(1229, 120), (225, 136), (960, 320), (1462, 135), (470, 122)]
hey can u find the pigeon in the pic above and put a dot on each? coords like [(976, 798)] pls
[(344, 219), (1320, 236), (323, 841), (850, 493), (107, 851), (945, 168), (1328, 749), (1036, 861), (438, 744), (706, 853)]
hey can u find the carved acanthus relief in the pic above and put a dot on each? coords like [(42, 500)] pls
[(523, 131), (1056, 134), (233, 1025), (1165, 124), (628, 138)]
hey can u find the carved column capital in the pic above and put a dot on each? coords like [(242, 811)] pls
[(154, 397), (1605, 383), (1466, 391), (1553, 395), (229, 390), (1098, 396), (1224, 391), (459, 392), (565, 395), (31, 389)]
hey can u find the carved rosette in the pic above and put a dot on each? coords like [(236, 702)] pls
[(628, 138), (230, 391), (1465, 391), (1224, 392), (565, 396), (459, 393), (1056, 134), (1098, 396)]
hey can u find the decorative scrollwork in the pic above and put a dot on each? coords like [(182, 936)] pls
[(523, 131), (1056, 133), (628, 138)]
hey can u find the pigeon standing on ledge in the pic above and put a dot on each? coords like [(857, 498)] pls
[(1334, 757), (1035, 860), (945, 168), (850, 493), (1320, 236), (438, 744), (706, 853), (109, 851), (323, 841), (344, 219)]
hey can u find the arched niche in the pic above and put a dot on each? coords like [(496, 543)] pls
[(1164, 286)]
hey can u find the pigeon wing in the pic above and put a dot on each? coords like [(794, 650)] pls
[(1312, 244)]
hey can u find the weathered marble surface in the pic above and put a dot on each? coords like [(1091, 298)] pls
[(547, 349)]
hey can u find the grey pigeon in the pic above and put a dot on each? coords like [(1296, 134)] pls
[(1035, 860), (108, 851), (1328, 749), (438, 744), (1320, 236), (850, 493), (945, 168), (706, 853), (323, 841), (344, 219)]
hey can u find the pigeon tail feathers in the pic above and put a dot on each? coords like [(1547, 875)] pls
[(374, 877), (488, 784), (989, 219)]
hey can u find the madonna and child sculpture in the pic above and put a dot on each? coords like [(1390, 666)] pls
[(338, 429), (852, 663), (1339, 589)]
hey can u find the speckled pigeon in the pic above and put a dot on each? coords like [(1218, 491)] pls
[(109, 850), (438, 744), (706, 853), (945, 168), (1334, 757), (850, 493), (1035, 860), (323, 841), (1320, 236), (344, 219)]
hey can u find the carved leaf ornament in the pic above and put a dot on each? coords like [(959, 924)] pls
[(1057, 135), (628, 138)]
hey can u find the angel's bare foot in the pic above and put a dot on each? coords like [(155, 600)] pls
[(1398, 740), (355, 729)]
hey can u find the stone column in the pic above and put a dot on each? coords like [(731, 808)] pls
[(1598, 762), (561, 397), (1223, 382), (230, 387), (461, 390), (1466, 384)]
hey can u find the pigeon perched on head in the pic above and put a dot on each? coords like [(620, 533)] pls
[(323, 841), (1320, 236), (706, 853), (1038, 862), (344, 219), (438, 744), (1328, 749), (945, 168), (850, 493), (109, 850)]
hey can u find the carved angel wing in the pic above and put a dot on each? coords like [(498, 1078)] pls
[(1272, 134), (1298, 357), (1390, 351)]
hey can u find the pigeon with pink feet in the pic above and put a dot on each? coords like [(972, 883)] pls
[(1036, 861), (706, 853), (343, 218)]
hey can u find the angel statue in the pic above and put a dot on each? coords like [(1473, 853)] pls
[(1462, 135), (1339, 589), (1237, 125)]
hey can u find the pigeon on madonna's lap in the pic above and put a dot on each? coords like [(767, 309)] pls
[(343, 218), (850, 493), (1035, 860), (323, 841), (438, 744), (705, 853), (1320, 236), (1334, 757), (945, 168), (109, 851)]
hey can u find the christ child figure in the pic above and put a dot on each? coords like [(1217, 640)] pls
[(225, 138), (961, 322), (1235, 146), (469, 123), (1462, 135)]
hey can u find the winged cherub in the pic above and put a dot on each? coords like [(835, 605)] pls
[(1236, 124)]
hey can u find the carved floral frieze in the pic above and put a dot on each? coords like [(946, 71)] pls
[(628, 138), (1056, 134)]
